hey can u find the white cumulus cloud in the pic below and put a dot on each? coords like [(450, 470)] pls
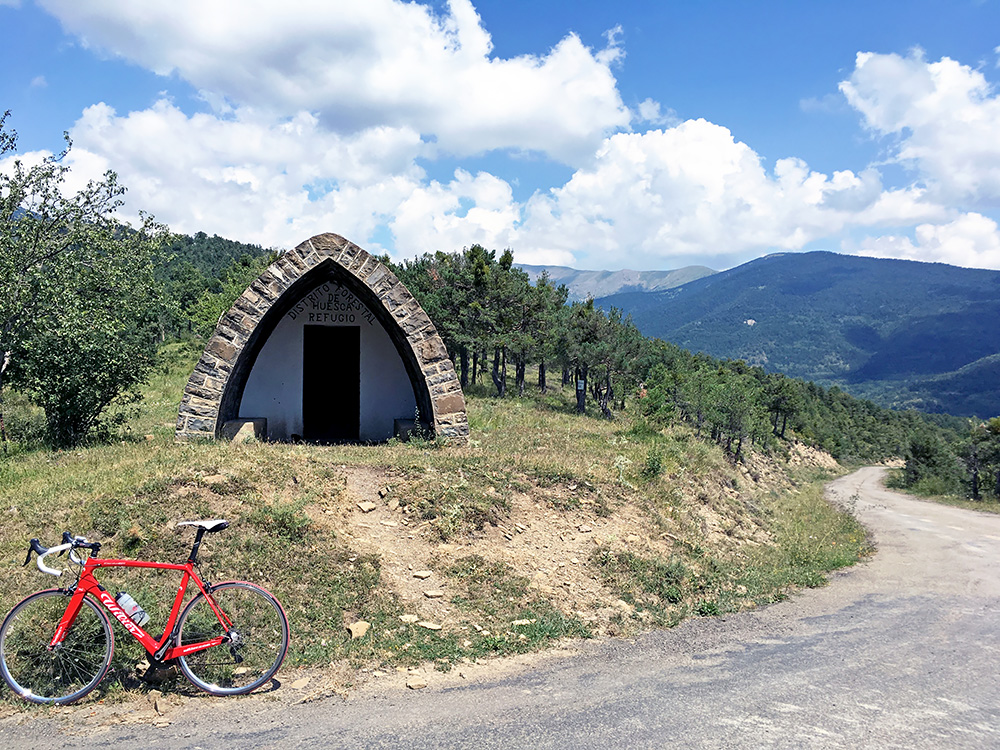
[(971, 240), (278, 183), (944, 115), (328, 115), (250, 177), (357, 65), (468, 210), (693, 190)]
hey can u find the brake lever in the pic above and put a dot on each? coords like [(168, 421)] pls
[(34, 546)]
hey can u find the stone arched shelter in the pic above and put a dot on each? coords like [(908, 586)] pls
[(216, 388)]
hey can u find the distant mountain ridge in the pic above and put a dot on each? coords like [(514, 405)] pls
[(584, 284), (904, 333)]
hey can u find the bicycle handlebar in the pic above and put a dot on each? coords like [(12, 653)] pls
[(70, 542), (43, 553)]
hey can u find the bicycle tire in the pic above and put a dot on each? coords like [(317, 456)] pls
[(66, 673), (260, 631)]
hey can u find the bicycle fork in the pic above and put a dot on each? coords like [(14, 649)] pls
[(68, 618)]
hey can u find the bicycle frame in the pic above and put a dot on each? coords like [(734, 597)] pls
[(161, 650)]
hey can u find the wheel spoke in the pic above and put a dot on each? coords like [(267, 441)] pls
[(63, 674), (258, 639)]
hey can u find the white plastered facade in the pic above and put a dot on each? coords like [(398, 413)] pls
[(274, 389)]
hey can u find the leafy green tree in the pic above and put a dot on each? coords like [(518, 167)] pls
[(992, 452), (204, 312), (980, 452), (577, 344), (78, 298), (551, 302), (932, 467), (783, 401), (613, 354), (92, 348), (454, 289)]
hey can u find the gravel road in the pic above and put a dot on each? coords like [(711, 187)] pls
[(899, 652)]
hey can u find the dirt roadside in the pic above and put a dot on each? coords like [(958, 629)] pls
[(547, 546)]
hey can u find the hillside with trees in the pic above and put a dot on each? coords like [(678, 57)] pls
[(905, 334), (492, 316), (199, 275), (86, 301)]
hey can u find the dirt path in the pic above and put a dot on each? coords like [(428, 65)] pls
[(902, 651)]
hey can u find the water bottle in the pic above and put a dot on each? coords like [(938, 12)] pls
[(131, 607)]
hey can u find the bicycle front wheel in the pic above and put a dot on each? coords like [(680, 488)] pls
[(70, 670), (256, 639)]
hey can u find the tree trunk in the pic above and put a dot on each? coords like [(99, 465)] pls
[(464, 366), (475, 366), (565, 377), (541, 377), (500, 371), (3, 427), (607, 395), (581, 389), (519, 368)]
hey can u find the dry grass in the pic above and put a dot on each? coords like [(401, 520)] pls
[(565, 524)]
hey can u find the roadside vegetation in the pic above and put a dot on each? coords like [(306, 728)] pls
[(613, 483), (679, 529)]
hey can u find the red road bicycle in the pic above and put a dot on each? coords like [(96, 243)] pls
[(56, 645)]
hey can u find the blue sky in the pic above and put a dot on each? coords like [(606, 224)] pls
[(647, 135)]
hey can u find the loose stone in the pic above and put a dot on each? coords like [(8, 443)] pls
[(358, 629)]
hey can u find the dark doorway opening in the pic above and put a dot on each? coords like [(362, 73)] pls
[(331, 383)]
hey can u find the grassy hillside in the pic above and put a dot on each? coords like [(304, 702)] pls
[(548, 525), (900, 332)]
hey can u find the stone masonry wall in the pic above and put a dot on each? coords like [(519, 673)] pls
[(199, 413)]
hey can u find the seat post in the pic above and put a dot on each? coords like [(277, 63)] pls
[(193, 557)]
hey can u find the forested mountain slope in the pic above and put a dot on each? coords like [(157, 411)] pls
[(907, 334), (205, 257)]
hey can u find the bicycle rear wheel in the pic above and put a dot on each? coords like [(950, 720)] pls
[(257, 639), (67, 672)]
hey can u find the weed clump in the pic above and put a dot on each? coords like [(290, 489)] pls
[(286, 520), (644, 582), (506, 616)]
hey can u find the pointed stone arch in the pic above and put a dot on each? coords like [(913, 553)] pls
[(216, 388)]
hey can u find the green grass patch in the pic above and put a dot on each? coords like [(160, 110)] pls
[(504, 615), (810, 538), (130, 492), (936, 491)]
